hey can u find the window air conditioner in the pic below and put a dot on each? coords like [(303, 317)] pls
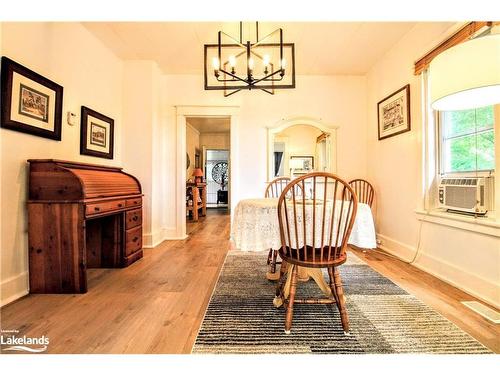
[(472, 195)]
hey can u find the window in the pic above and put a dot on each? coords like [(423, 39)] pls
[(467, 140)]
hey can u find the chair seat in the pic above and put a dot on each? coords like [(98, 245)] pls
[(298, 257)]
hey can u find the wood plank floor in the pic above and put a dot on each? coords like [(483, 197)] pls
[(157, 304)]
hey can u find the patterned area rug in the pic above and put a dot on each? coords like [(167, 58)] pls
[(383, 317)]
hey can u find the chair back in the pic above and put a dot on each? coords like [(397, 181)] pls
[(276, 186), (315, 225), (364, 191)]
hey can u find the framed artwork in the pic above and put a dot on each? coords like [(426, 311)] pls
[(394, 113), (31, 103), (96, 134), (302, 163)]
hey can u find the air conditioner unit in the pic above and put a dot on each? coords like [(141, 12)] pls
[(472, 195)]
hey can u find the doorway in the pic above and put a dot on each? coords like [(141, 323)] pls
[(217, 178), (231, 113), (207, 177)]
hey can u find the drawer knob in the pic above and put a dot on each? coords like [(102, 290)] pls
[(97, 209), (119, 205), (135, 218), (135, 239)]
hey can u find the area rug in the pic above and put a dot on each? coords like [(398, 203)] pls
[(383, 317)]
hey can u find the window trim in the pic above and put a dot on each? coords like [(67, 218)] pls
[(440, 141)]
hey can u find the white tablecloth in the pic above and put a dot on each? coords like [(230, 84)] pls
[(256, 228)]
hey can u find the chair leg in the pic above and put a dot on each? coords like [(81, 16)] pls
[(332, 285), (291, 300), (282, 279), (270, 256), (273, 261), (341, 300)]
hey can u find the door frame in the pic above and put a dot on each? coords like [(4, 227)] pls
[(205, 149), (182, 112)]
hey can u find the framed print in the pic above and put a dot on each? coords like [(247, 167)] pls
[(96, 134), (31, 103), (394, 113)]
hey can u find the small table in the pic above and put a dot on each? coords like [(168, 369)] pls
[(222, 196), (256, 228), (199, 190)]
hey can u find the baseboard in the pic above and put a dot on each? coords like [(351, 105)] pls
[(447, 272), (151, 240), (171, 234), (14, 288)]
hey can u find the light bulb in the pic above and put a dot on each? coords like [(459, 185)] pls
[(215, 63), (283, 63), (232, 61), (266, 60), (250, 63)]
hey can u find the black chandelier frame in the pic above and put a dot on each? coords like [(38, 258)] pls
[(271, 82)]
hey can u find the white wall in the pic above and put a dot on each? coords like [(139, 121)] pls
[(143, 140), (92, 76), (338, 100), (466, 259), (215, 140)]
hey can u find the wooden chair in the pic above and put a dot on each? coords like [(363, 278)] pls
[(273, 190), (276, 186), (364, 191), (330, 207)]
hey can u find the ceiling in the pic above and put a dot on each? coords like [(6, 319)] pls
[(322, 48), (210, 124)]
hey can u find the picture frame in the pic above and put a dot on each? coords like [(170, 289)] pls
[(31, 103), (306, 162), (393, 113), (96, 134)]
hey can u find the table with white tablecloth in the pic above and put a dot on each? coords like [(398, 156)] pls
[(255, 227)]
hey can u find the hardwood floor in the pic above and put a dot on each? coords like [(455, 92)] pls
[(157, 304)]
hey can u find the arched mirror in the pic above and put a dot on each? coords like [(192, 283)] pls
[(299, 146)]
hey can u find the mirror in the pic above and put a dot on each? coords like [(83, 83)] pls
[(300, 148)]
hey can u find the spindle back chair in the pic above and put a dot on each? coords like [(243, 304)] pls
[(364, 191), (314, 230), (273, 190), (276, 186)]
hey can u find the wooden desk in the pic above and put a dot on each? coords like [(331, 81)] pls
[(80, 216), (198, 190)]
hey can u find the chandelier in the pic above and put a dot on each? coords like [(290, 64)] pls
[(267, 64)]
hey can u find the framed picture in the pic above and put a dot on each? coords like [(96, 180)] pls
[(96, 134), (302, 163), (394, 113), (31, 103)]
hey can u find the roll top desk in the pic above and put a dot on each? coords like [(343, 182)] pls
[(80, 216)]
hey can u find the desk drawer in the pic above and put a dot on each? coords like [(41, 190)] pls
[(97, 208), (134, 202), (133, 218), (133, 240)]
